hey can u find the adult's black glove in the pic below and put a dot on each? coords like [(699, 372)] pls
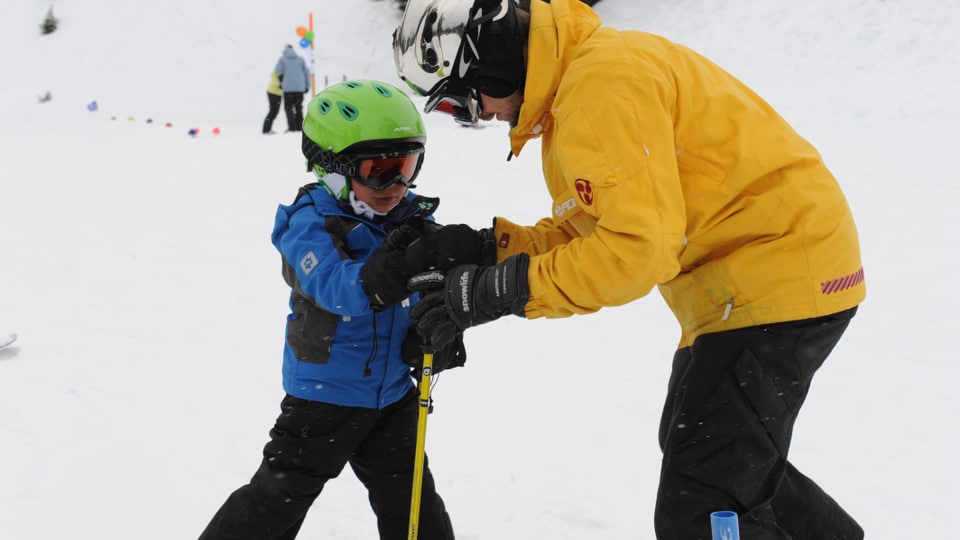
[(452, 245), (452, 356), (467, 296)]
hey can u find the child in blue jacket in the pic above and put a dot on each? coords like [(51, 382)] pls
[(349, 244)]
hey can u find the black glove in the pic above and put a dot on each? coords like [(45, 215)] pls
[(409, 232), (452, 245), (467, 296), (488, 247), (384, 276), (417, 246), (452, 356)]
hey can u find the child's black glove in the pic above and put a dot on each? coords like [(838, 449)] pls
[(416, 247), (385, 274), (452, 355)]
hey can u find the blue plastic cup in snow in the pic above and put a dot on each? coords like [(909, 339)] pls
[(724, 525)]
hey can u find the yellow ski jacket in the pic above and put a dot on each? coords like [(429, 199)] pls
[(666, 170), (273, 87)]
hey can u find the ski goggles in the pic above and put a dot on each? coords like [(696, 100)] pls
[(457, 100), (381, 170)]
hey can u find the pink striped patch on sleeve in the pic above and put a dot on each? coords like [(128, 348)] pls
[(842, 283)]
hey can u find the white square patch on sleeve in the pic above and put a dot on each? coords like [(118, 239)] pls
[(308, 263)]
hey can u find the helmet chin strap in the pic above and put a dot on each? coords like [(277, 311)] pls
[(338, 186), (335, 183), (363, 209)]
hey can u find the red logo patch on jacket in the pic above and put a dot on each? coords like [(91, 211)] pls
[(584, 191)]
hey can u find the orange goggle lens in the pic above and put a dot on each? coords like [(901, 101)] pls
[(383, 172)]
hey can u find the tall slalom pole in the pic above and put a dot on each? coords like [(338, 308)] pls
[(424, 386), (313, 62)]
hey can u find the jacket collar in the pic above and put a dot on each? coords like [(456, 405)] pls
[(557, 29)]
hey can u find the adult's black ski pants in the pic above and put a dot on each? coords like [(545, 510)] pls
[(310, 443), (293, 109), (725, 432), (273, 102)]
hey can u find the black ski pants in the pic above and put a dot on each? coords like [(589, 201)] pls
[(293, 108), (725, 432), (273, 101), (310, 443)]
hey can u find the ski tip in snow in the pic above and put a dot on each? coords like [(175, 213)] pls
[(6, 340)]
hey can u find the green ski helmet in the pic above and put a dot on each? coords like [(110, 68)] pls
[(365, 130)]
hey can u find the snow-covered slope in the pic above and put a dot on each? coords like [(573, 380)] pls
[(135, 265)]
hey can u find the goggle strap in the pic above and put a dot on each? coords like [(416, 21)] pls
[(475, 22), (338, 163), (326, 159)]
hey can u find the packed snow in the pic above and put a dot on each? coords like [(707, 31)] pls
[(137, 270)]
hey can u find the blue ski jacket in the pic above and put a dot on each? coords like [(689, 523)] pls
[(338, 350), (293, 71)]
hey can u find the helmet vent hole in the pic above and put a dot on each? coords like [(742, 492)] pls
[(428, 26), (382, 90), (353, 84), (324, 106), (348, 111), (430, 57)]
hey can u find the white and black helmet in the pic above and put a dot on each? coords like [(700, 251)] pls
[(449, 50)]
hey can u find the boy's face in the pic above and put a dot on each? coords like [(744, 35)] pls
[(383, 200)]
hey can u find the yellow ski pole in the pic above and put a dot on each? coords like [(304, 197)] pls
[(424, 387)]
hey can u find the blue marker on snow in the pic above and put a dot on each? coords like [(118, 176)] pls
[(724, 525)]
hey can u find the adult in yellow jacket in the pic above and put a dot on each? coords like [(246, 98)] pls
[(274, 97), (667, 171)]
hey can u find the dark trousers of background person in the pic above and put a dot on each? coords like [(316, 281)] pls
[(310, 443), (293, 108), (731, 404), (273, 100)]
